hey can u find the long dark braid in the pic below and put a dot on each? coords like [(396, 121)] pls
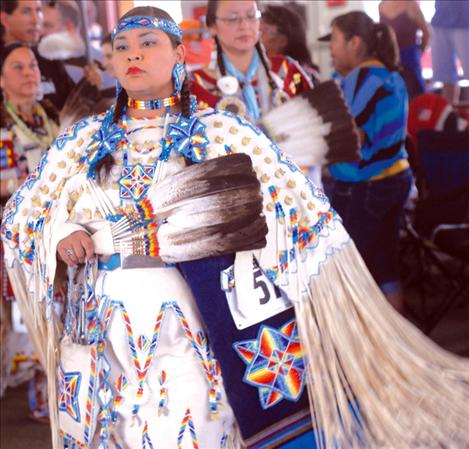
[(266, 63), (186, 106), (121, 104), (220, 62), (186, 98)]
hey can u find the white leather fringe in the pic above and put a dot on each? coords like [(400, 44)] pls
[(43, 337), (363, 355)]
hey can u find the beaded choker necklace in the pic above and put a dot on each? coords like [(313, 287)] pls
[(153, 104)]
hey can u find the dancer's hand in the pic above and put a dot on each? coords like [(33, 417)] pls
[(76, 248)]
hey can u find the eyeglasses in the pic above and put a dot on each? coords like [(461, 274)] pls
[(237, 20)]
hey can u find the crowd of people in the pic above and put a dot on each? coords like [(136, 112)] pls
[(34, 87), (182, 281)]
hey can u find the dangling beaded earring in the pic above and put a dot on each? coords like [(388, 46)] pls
[(179, 75)]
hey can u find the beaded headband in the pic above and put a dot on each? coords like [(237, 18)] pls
[(131, 23)]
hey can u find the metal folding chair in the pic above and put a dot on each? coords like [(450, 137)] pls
[(435, 244)]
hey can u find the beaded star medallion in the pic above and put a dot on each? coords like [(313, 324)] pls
[(135, 181)]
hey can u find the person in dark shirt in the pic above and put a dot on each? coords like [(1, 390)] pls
[(22, 22)]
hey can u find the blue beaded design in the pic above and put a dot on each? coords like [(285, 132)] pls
[(131, 23)]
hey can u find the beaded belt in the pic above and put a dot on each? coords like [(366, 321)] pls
[(110, 263)]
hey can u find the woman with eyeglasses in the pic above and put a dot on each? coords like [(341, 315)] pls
[(240, 78), (215, 299), (276, 95)]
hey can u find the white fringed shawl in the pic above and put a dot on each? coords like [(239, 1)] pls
[(410, 392)]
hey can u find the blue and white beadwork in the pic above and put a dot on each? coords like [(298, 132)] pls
[(131, 23), (69, 388), (188, 138), (179, 75)]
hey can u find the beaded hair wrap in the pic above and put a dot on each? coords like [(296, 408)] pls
[(131, 23)]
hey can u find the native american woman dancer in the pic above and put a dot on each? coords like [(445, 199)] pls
[(215, 299)]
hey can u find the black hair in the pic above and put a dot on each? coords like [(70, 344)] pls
[(210, 19), (5, 50), (8, 6), (378, 38), (290, 24), (107, 39), (107, 162)]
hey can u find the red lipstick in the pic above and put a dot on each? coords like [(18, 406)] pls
[(134, 71)]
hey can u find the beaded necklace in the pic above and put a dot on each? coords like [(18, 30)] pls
[(186, 136), (146, 105), (136, 179), (43, 142)]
